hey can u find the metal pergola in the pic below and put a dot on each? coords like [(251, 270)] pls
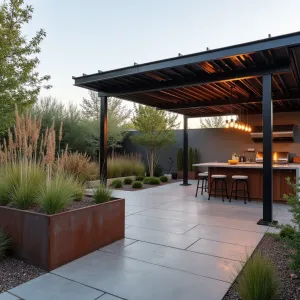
[(260, 77)]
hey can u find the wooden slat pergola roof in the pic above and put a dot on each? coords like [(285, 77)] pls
[(210, 83)]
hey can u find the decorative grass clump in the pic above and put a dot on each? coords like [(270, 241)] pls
[(287, 231), (151, 180), (127, 180), (163, 178), (116, 184), (57, 194), (137, 185), (258, 279), (5, 243), (24, 179), (125, 165), (139, 178), (102, 194)]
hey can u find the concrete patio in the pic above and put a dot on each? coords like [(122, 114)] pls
[(176, 247)]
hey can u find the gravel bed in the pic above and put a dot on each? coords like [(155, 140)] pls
[(279, 254), (13, 272)]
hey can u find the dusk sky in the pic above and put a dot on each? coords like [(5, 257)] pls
[(91, 35)]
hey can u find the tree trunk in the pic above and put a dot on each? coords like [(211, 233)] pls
[(151, 166)]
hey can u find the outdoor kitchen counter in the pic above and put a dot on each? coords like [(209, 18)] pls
[(255, 176), (248, 165)]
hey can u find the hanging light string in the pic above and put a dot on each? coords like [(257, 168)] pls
[(238, 124)]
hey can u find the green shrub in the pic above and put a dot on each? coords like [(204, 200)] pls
[(5, 243), (163, 178), (127, 180), (146, 180), (57, 194), (139, 178), (180, 160), (191, 159), (151, 180), (116, 184), (158, 171), (287, 231), (154, 181), (24, 180), (102, 194), (258, 279), (294, 201), (137, 185), (195, 158)]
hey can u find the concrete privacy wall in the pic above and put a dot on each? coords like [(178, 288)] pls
[(217, 145)]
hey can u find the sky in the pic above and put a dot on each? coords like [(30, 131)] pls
[(84, 36)]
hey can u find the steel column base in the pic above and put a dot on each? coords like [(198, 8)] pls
[(266, 223), (185, 184)]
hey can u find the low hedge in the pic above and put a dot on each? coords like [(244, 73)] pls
[(137, 185), (117, 184), (164, 178), (127, 180)]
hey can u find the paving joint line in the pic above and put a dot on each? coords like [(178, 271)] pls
[(166, 267)]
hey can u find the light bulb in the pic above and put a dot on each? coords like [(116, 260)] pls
[(243, 126), (250, 129), (236, 124), (240, 126), (226, 124), (231, 123)]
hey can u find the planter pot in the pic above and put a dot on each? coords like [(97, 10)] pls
[(191, 175), (95, 183), (51, 241)]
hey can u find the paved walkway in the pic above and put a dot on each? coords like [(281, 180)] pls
[(177, 247)]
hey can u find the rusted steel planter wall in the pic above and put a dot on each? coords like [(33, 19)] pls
[(51, 241)]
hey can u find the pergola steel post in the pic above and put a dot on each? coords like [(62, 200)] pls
[(103, 139), (185, 151), (267, 150)]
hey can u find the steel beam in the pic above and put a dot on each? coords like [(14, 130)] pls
[(103, 139), (185, 151), (293, 96), (267, 151), (287, 40), (281, 67)]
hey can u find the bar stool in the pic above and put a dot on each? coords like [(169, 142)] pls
[(214, 180), (204, 178), (240, 179)]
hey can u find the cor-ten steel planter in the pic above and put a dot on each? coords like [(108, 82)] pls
[(49, 241)]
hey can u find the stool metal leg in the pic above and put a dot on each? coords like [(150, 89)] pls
[(248, 191), (202, 186), (226, 189), (222, 188), (244, 184), (197, 187), (206, 185), (236, 185), (232, 190), (210, 188)]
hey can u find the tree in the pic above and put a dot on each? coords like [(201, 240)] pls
[(156, 131), (20, 83), (118, 116), (212, 122), (79, 133)]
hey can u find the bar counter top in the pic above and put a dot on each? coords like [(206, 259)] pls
[(290, 166)]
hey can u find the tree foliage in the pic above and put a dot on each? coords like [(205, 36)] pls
[(79, 133), (20, 83), (212, 122), (118, 116), (156, 131)]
